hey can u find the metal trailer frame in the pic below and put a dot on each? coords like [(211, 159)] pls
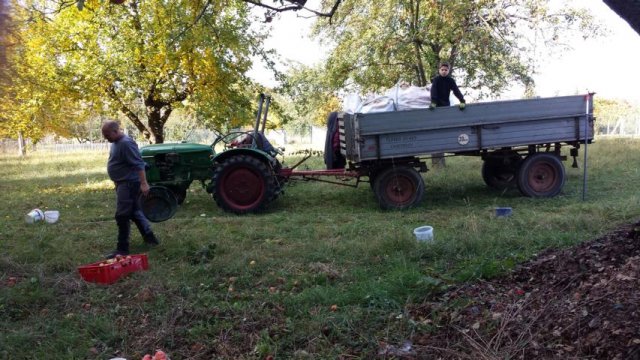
[(520, 142)]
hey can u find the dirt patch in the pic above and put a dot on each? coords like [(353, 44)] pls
[(581, 302)]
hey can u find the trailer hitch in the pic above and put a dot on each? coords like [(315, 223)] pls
[(305, 158)]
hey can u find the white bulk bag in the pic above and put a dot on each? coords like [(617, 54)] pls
[(408, 96), (351, 103), (377, 104)]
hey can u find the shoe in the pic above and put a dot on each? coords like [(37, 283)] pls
[(115, 253), (151, 239)]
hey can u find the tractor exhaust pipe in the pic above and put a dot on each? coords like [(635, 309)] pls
[(266, 111), (258, 116)]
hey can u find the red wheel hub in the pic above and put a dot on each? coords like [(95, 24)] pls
[(400, 190), (542, 177), (242, 188)]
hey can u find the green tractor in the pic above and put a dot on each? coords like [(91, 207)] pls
[(243, 177)]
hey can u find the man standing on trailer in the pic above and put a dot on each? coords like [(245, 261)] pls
[(127, 170), (441, 87)]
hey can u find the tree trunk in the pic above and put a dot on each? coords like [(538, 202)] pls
[(417, 44), (22, 151), (156, 128), (158, 116), (437, 159), (616, 127)]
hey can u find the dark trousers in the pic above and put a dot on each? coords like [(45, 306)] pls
[(128, 209)]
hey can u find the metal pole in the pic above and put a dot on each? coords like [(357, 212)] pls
[(257, 127), (586, 140), (266, 111)]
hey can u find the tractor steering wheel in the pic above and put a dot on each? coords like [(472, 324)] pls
[(234, 139)]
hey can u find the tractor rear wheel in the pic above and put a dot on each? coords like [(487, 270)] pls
[(243, 184), (399, 188)]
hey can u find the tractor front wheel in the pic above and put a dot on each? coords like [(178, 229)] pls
[(180, 192), (243, 184)]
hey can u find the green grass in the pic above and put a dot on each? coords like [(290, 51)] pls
[(227, 286)]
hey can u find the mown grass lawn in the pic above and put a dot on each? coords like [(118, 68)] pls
[(322, 274)]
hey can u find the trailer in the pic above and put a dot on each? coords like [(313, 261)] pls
[(519, 141)]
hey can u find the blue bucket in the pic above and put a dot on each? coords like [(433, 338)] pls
[(503, 211)]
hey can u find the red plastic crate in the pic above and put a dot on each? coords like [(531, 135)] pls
[(110, 272)]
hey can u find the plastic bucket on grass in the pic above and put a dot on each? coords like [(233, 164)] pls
[(503, 211), (51, 216), (33, 216), (423, 233)]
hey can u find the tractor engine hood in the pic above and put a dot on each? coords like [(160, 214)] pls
[(180, 148)]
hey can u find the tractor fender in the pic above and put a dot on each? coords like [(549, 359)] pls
[(258, 154)]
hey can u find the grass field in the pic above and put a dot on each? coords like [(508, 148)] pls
[(322, 274)]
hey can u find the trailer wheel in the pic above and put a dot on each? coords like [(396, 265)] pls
[(372, 179), (243, 184), (541, 175), (399, 188), (500, 172)]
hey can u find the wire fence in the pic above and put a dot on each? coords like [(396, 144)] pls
[(12, 147), (314, 139)]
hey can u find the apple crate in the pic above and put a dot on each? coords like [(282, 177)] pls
[(109, 271)]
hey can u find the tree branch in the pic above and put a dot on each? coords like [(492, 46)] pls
[(128, 113), (297, 5), (200, 15)]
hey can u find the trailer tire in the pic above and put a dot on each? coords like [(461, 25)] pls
[(541, 175), (243, 184), (501, 173), (372, 179), (399, 188)]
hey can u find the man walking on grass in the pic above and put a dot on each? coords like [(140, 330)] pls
[(127, 170)]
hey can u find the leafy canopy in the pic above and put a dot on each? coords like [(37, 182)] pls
[(142, 60), (490, 43)]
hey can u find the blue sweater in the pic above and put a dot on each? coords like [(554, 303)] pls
[(124, 160)]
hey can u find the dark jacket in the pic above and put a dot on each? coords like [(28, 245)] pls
[(124, 160), (441, 88)]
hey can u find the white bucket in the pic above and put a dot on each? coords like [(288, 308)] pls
[(423, 233), (51, 216), (33, 216)]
